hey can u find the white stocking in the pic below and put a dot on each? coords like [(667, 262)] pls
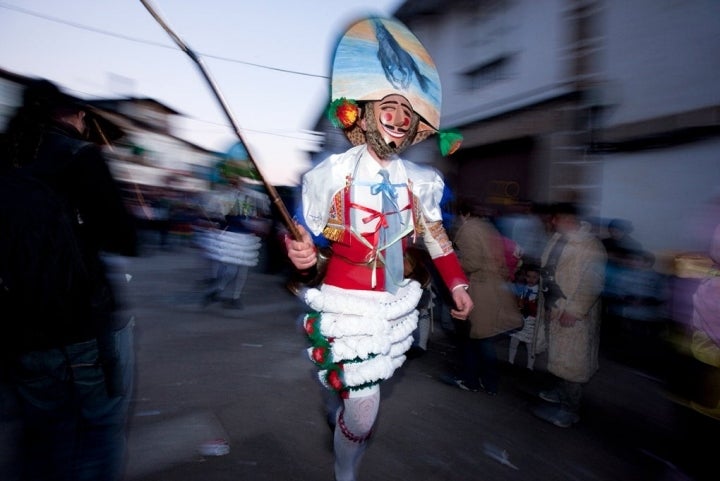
[(357, 416)]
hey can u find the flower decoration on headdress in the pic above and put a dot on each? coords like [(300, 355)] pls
[(343, 112), (449, 141)]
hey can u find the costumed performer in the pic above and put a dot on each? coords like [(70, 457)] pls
[(371, 204)]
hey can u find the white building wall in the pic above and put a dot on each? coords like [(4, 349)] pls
[(660, 57), (665, 193), (652, 58), (531, 34)]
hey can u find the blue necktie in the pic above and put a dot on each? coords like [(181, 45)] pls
[(393, 254)]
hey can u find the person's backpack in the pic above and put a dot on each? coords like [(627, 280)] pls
[(43, 277)]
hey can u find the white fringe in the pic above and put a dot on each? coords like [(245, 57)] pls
[(382, 305), (236, 248), (373, 326)]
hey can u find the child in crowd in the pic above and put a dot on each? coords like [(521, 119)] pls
[(526, 290)]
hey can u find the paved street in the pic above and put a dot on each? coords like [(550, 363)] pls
[(243, 376)]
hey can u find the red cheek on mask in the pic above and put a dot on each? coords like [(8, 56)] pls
[(406, 122)]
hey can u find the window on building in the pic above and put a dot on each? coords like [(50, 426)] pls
[(488, 73)]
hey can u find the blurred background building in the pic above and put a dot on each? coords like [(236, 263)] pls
[(141, 144), (609, 103)]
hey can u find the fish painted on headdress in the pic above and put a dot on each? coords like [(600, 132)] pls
[(398, 65)]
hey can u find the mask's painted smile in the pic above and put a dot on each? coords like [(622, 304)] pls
[(394, 118)]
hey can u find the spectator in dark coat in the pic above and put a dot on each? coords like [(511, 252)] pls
[(68, 354)]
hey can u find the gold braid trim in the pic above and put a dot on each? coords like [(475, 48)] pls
[(437, 231), (417, 213), (333, 233), (335, 227)]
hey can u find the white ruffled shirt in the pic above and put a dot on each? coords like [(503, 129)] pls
[(320, 185)]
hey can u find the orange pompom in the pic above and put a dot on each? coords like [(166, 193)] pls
[(343, 113)]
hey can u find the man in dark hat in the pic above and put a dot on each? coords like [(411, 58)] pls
[(573, 266), (66, 350)]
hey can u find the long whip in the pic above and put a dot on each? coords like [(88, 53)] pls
[(272, 192)]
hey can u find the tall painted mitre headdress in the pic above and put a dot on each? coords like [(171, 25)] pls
[(377, 57)]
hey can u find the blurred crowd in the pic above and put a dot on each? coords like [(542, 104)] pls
[(658, 314), (169, 218), (647, 306)]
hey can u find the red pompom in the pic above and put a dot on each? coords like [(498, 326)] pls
[(334, 381), (310, 325), (318, 354)]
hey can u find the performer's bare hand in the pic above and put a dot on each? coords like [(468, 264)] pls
[(302, 253), (463, 304), (567, 320)]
